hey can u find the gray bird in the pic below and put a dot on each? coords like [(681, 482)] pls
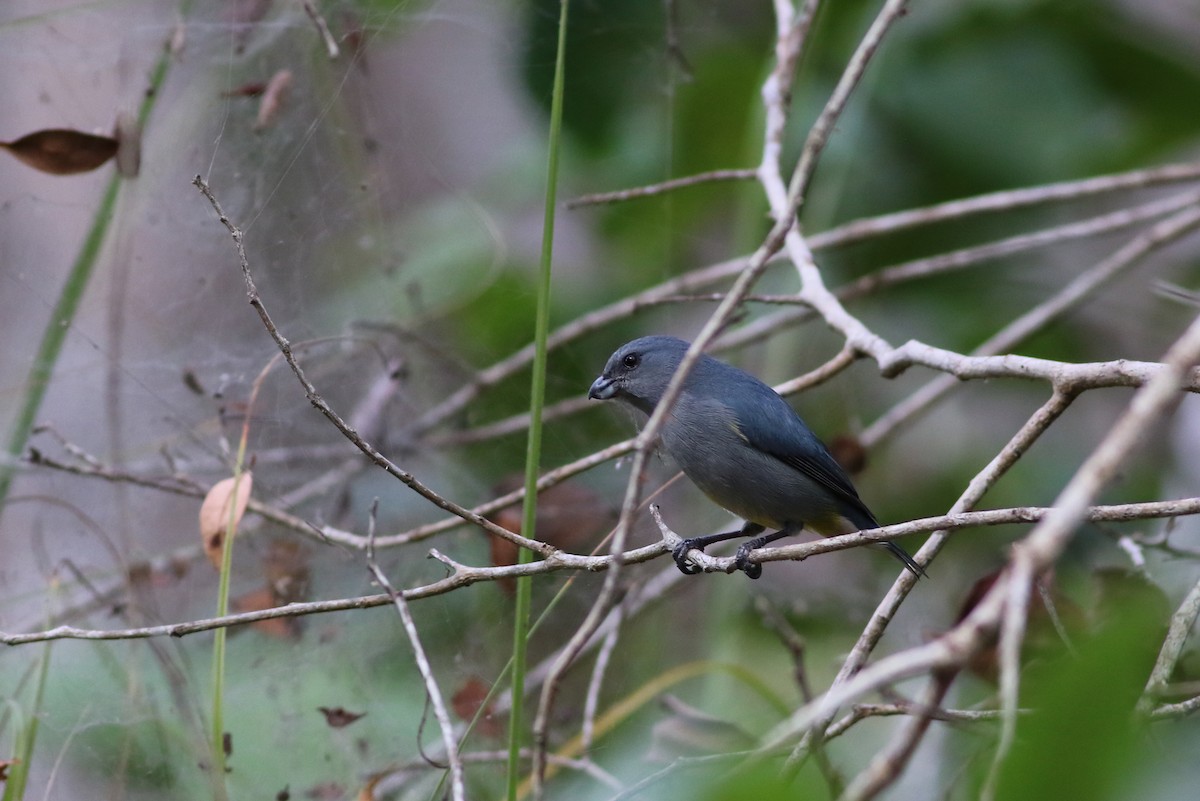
[(743, 446)]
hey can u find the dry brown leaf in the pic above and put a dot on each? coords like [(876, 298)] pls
[(214, 513), (326, 791), (273, 98), (281, 628), (849, 453), (354, 38), (129, 145), (569, 516), (338, 717), (251, 89), (287, 571), (367, 792), (466, 702), (61, 151)]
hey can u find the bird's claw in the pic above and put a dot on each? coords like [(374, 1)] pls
[(741, 560), (680, 554)]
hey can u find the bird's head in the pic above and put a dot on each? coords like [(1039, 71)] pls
[(639, 371)]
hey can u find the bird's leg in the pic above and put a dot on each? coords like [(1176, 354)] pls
[(742, 557), (700, 543)]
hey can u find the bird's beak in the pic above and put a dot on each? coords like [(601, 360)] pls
[(603, 388)]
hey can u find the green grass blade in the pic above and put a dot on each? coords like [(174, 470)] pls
[(536, 401)]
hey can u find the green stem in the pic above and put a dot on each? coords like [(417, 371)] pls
[(18, 779), (56, 333), (218, 664), (63, 315), (536, 401), (53, 337)]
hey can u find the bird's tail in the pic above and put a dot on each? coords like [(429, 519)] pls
[(903, 556)]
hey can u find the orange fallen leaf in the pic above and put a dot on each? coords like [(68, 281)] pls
[(61, 151), (214, 513), (367, 791)]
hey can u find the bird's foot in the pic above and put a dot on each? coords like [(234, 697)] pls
[(680, 554), (741, 560)]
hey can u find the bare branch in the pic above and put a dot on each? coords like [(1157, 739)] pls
[(1020, 442), (464, 575), (1073, 377), (965, 257), (1181, 626), (1181, 709), (1037, 551), (887, 764), (457, 785), (331, 46), (662, 187), (819, 134), (591, 702), (1019, 581), (1006, 200)]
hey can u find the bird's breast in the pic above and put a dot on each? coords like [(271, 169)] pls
[(711, 450)]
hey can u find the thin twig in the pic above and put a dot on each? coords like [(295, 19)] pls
[(330, 43), (434, 693), (821, 130), (662, 187), (1005, 200), (942, 523), (1058, 234), (464, 575), (861, 712), (591, 702), (1181, 626), (1019, 581), (1181, 709), (796, 648), (406, 478), (889, 762)]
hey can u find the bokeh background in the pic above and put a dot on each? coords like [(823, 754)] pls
[(392, 207)]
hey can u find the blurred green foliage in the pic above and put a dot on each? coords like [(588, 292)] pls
[(1082, 739)]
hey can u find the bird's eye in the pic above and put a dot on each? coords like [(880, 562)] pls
[(631, 360)]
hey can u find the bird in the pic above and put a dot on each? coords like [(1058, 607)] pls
[(743, 446)]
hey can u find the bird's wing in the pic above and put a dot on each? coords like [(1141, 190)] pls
[(770, 425)]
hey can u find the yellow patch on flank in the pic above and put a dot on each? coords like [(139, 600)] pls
[(831, 525)]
